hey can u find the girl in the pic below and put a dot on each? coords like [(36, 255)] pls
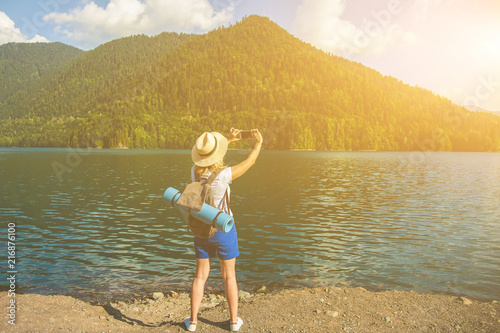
[(207, 154)]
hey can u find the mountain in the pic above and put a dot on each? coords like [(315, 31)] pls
[(22, 64), (474, 108), (163, 91), (46, 112)]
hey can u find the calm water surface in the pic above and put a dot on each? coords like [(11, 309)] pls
[(93, 223)]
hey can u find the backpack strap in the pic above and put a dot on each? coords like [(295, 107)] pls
[(215, 218), (173, 198), (210, 180), (214, 175), (226, 196)]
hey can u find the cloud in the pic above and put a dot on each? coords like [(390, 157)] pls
[(319, 22), (93, 25), (9, 33)]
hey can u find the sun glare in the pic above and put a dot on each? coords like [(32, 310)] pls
[(490, 44)]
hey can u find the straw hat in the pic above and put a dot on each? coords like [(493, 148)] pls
[(209, 149)]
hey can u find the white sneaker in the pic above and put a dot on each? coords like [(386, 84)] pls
[(236, 326), (191, 327)]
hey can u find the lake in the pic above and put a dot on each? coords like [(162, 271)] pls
[(93, 224)]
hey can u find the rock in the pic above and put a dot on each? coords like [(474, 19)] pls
[(388, 319), (158, 296), (212, 298), (494, 302), (244, 294), (466, 301), (332, 313), (261, 290)]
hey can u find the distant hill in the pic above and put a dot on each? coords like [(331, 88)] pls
[(474, 108), (163, 91), (22, 64)]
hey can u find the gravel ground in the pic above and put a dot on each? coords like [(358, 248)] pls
[(332, 309)]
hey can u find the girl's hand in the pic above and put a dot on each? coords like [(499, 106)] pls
[(233, 136), (257, 136)]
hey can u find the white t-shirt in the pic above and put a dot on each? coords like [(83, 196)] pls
[(219, 186)]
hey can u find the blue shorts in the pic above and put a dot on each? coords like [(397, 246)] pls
[(224, 244)]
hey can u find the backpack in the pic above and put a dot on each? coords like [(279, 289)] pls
[(193, 197)]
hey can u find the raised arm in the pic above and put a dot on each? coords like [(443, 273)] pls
[(240, 169)]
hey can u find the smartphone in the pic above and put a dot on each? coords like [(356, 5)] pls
[(246, 134)]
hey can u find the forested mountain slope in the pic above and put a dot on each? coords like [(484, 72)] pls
[(162, 92), (22, 64)]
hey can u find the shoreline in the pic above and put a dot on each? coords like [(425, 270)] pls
[(216, 287), (27, 148), (320, 309)]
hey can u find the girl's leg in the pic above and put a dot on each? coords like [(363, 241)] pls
[(229, 276), (198, 287)]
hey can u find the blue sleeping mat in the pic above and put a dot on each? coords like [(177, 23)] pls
[(224, 222)]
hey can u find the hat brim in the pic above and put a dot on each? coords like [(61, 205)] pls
[(218, 155)]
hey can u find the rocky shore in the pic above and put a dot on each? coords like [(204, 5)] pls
[(330, 309)]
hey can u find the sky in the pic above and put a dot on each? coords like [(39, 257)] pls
[(451, 47)]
